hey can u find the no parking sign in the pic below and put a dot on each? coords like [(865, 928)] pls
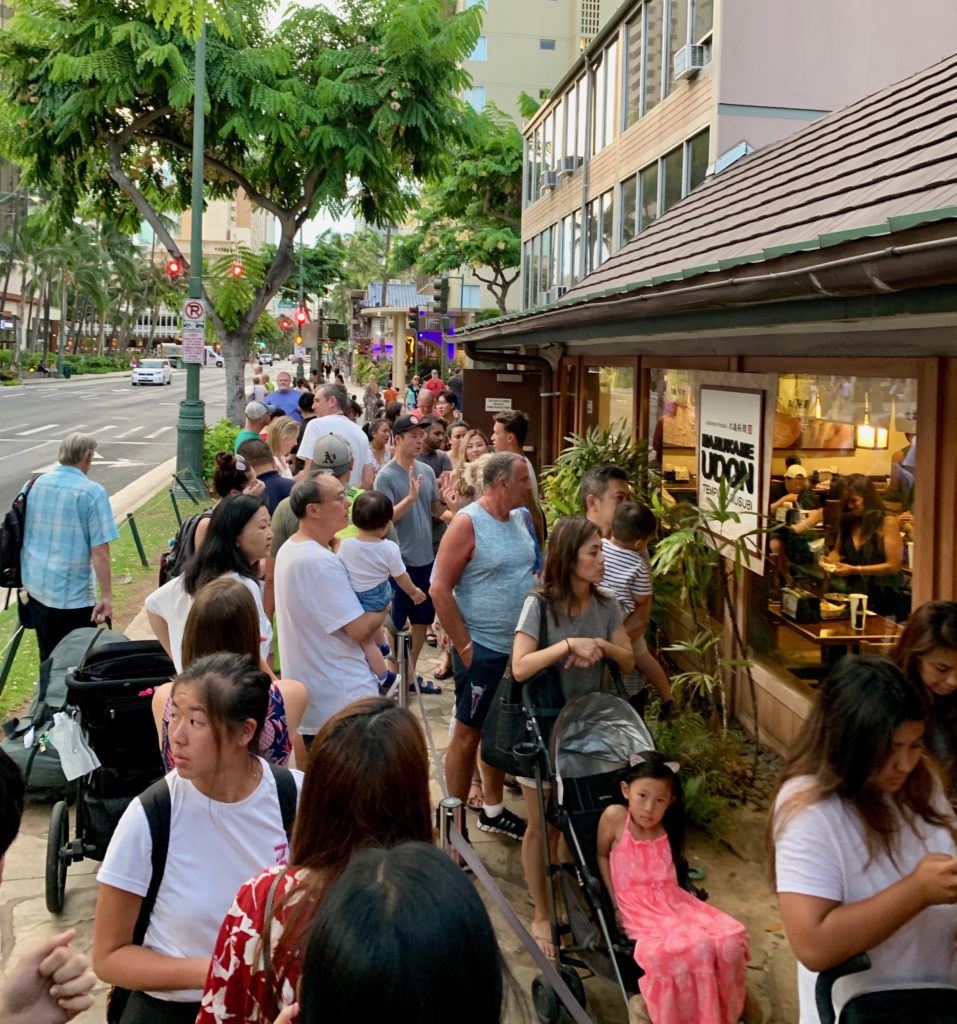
[(194, 330)]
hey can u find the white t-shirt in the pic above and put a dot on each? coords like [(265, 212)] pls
[(314, 600), (370, 562), (352, 432), (172, 603), (821, 851), (213, 848)]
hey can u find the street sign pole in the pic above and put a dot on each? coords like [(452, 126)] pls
[(192, 410)]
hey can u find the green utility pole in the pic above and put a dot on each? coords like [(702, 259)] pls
[(192, 410)]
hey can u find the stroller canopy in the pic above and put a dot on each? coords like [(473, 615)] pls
[(595, 734)]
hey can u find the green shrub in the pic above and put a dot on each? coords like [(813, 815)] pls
[(218, 438)]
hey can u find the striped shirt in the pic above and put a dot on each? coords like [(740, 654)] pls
[(627, 574), (67, 515)]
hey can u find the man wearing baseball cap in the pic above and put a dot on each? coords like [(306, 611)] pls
[(415, 496), (258, 415)]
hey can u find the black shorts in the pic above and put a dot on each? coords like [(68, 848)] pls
[(402, 607), (476, 686)]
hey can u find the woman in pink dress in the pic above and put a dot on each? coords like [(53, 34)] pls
[(693, 955)]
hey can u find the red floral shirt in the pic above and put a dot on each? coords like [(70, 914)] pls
[(236, 983)]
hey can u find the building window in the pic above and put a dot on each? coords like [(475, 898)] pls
[(568, 251), (629, 209), (677, 36), (559, 136), (611, 91), (703, 20), (571, 125), (546, 44), (577, 251), (672, 170), (580, 93), (470, 296), (607, 244), (648, 196), (548, 143), (696, 160), (526, 274), (481, 49), (592, 236), (598, 107), (654, 52), (634, 68), (474, 96)]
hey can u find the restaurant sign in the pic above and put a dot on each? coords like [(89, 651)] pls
[(731, 450)]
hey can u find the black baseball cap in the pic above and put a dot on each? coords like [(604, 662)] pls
[(408, 422)]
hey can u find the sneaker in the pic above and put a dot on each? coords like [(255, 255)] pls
[(506, 824), (386, 683), (386, 650)]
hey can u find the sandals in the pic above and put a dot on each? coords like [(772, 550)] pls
[(426, 686), (476, 798), (431, 639), (443, 673)]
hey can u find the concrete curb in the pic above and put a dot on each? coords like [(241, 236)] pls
[(132, 496), (115, 375)]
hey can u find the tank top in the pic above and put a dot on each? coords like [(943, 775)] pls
[(493, 585)]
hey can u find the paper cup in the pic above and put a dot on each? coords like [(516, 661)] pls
[(910, 554), (858, 604)]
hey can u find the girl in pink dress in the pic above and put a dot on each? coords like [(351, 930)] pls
[(693, 955)]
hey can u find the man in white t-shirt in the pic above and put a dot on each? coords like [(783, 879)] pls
[(320, 621), (330, 405)]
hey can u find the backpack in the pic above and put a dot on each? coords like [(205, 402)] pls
[(11, 539), (181, 548), (158, 807)]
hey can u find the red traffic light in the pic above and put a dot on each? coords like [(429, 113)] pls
[(174, 267), (301, 316), (284, 323), (237, 269)]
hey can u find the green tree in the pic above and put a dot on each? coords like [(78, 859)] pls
[(471, 217), (321, 111)]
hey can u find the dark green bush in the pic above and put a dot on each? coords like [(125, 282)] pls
[(218, 438)]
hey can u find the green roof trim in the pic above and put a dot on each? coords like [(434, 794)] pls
[(830, 238), (705, 268), (773, 252), (672, 275), (913, 220), (738, 261)]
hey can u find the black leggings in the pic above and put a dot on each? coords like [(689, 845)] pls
[(144, 1009)]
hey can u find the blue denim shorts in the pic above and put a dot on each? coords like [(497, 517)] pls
[(476, 686), (377, 599)]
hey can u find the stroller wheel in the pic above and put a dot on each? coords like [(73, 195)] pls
[(545, 1001), (57, 839), (573, 980)]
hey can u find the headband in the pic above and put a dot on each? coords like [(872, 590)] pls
[(634, 759)]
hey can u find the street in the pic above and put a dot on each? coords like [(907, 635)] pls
[(135, 426)]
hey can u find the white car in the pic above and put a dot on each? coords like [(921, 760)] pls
[(153, 371)]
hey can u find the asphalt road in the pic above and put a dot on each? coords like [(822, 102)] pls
[(135, 426)]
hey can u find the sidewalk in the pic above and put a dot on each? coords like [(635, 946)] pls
[(114, 375)]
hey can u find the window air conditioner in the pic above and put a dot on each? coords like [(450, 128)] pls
[(549, 180), (541, 299), (569, 165), (689, 60), (554, 294)]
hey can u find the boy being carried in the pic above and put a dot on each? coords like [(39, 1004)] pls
[(628, 577)]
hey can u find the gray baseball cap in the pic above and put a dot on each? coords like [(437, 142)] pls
[(256, 411), (332, 454)]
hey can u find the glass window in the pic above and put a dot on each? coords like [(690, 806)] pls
[(536, 163), (697, 159), (635, 67), (474, 96), (559, 150), (629, 201), (610, 397), (611, 93), (654, 55), (527, 298), (598, 106), (672, 167), (544, 265), (568, 251), (648, 196), (526, 172), (546, 44), (677, 35), (577, 251), (703, 20), (607, 246), (548, 142), (580, 91), (470, 296), (533, 271), (481, 49), (571, 123), (592, 236)]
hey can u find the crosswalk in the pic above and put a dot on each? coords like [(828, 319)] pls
[(107, 433)]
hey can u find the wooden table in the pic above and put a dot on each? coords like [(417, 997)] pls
[(835, 636)]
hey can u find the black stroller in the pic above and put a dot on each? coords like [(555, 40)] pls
[(110, 693), (590, 744)]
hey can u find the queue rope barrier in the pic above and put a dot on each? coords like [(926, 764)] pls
[(461, 850)]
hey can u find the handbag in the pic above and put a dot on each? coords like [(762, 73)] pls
[(507, 722)]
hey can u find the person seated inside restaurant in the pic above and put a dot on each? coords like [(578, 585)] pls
[(869, 551), (799, 510)]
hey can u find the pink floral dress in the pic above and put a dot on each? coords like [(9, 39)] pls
[(693, 955)]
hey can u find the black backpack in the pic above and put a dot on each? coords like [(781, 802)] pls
[(181, 548), (11, 539)]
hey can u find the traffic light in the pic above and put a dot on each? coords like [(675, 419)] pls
[(174, 267), (412, 321), (440, 294), (237, 269), (284, 323), (301, 316)]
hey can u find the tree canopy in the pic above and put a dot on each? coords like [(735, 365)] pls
[(342, 112), (471, 216)]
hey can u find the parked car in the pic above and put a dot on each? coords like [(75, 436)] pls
[(153, 371), (265, 358)]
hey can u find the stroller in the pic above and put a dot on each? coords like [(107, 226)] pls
[(591, 741), (109, 693)]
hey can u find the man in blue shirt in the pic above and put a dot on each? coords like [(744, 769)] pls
[(68, 529), (285, 397)]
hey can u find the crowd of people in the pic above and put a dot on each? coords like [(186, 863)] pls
[(343, 527)]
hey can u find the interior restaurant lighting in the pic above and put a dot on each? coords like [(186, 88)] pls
[(866, 435)]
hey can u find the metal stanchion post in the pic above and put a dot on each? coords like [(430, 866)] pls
[(451, 811), (402, 654)]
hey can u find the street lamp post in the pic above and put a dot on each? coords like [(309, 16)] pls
[(192, 410)]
